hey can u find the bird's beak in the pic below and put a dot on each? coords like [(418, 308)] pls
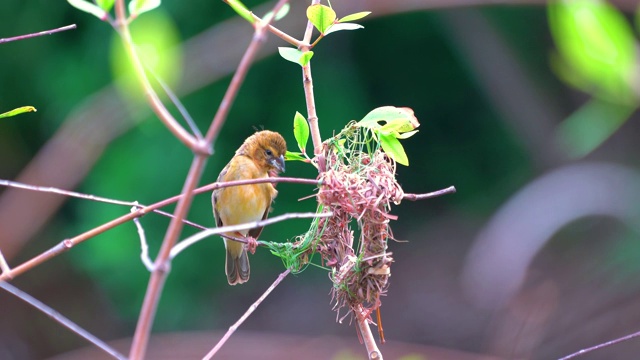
[(278, 163)]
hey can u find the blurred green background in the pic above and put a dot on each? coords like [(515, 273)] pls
[(481, 82)]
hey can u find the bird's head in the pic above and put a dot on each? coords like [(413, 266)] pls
[(267, 149)]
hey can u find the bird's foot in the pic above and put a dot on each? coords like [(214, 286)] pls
[(252, 244)]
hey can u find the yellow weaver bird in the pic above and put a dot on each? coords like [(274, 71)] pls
[(260, 156)]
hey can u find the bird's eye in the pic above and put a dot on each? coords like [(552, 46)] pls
[(268, 152)]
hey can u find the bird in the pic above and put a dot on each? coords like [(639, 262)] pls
[(260, 156)]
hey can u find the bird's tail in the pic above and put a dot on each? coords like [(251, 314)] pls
[(237, 268)]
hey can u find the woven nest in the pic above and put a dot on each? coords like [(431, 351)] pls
[(358, 187)]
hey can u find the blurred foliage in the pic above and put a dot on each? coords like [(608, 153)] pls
[(157, 43), (597, 53), (597, 48)]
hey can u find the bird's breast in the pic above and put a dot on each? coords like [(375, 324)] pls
[(246, 203)]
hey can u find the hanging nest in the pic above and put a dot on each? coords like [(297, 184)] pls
[(358, 186)]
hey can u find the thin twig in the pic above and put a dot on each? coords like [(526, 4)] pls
[(61, 319), (144, 248), (600, 346), (152, 98), (369, 342), (282, 35), (246, 226), (249, 311), (184, 221), (259, 36), (415, 197), (37, 260), (177, 103), (69, 243), (48, 189), (200, 190), (52, 190), (3, 264), (41, 33)]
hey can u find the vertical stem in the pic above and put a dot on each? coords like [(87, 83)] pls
[(367, 336), (307, 82), (312, 117), (162, 263), (201, 151)]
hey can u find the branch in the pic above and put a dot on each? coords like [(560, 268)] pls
[(53, 190), (152, 98), (259, 36), (600, 346), (162, 262), (61, 319), (69, 243), (3, 264), (161, 265), (282, 35), (47, 189), (41, 33), (249, 311), (307, 82), (177, 103), (434, 194), (246, 226), (369, 342), (144, 253)]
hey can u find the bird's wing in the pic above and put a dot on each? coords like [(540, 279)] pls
[(255, 232), (215, 194)]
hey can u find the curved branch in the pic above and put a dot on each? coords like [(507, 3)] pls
[(154, 101), (246, 226)]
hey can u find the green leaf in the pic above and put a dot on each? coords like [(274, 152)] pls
[(137, 7), (294, 156), (301, 131), (397, 119), (106, 5), (354, 17), (88, 7), (242, 10), (636, 18), (598, 46), (305, 58), (284, 10), (393, 148), (405, 135), (342, 26), (321, 16), (590, 126), (290, 54), (18, 111), (398, 125), (295, 55)]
